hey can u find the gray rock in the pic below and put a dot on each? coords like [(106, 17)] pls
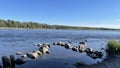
[(19, 53), (29, 54), (34, 44), (47, 45), (34, 55), (38, 52), (20, 61), (68, 46), (89, 50), (82, 47), (75, 48), (43, 50), (48, 52), (24, 56), (59, 43), (40, 45)]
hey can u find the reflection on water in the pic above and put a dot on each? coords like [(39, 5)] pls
[(12, 41)]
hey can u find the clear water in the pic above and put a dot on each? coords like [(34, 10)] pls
[(12, 41)]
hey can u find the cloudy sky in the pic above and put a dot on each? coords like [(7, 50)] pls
[(92, 13)]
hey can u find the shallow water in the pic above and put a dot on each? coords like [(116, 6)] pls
[(12, 41)]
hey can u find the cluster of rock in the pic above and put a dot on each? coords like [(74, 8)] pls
[(82, 47), (44, 49), (10, 62)]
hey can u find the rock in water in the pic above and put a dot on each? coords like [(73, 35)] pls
[(19, 53), (43, 50), (48, 52), (46, 45), (82, 47), (12, 58), (24, 56), (6, 62), (68, 46), (75, 49), (0, 66), (20, 61), (89, 50), (34, 55), (38, 52)]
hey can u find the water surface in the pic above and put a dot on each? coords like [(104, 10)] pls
[(12, 41)]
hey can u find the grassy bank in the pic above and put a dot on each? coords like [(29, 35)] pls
[(113, 47)]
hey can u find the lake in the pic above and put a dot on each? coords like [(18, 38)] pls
[(14, 40)]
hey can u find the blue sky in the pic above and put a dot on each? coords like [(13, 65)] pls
[(93, 13)]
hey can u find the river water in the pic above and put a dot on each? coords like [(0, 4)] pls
[(14, 40)]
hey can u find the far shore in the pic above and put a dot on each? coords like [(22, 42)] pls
[(58, 29)]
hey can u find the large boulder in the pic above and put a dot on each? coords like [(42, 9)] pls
[(82, 47), (43, 50), (34, 55)]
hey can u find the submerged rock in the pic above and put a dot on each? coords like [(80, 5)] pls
[(99, 54), (92, 55), (40, 45), (34, 44), (89, 50), (59, 43), (96, 54), (20, 61), (24, 56)]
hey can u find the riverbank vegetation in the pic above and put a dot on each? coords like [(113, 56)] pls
[(35, 25), (113, 47)]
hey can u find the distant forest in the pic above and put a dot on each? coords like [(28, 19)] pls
[(35, 25)]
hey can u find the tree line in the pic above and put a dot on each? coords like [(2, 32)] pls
[(35, 25)]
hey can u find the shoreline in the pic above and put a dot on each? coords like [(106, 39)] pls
[(96, 29)]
